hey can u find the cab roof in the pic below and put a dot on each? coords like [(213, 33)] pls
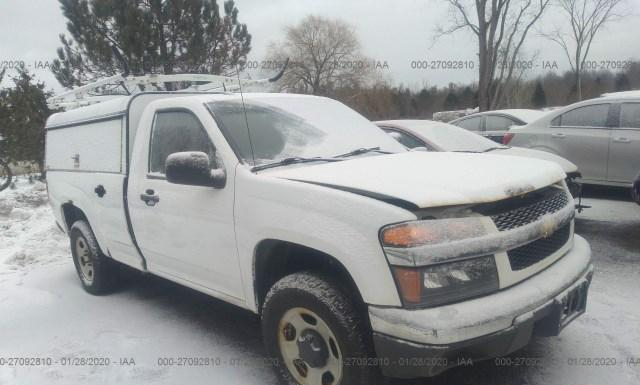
[(119, 105)]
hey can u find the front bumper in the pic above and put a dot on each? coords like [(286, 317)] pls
[(425, 342)]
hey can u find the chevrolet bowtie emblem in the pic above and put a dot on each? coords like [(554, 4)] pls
[(548, 227)]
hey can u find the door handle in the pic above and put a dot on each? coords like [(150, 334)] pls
[(621, 140), (150, 198), (558, 136)]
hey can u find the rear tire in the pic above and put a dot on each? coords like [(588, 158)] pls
[(314, 334), (98, 274)]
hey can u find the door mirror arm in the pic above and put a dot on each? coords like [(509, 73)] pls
[(218, 178)]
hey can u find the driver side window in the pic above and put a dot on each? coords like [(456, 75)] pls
[(177, 131)]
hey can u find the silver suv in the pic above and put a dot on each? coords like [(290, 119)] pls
[(601, 136)]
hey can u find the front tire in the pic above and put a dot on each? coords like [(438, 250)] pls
[(315, 335), (98, 274)]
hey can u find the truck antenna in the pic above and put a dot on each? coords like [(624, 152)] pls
[(246, 119)]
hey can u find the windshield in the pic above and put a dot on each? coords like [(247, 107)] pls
[(289, 127), (447, 137)]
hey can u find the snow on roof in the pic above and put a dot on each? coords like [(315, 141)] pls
[(411, 123), (525, 115), (634, 94), (110, 107)]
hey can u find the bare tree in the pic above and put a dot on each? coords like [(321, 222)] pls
[(324, 54), (586, 17), (501, 27)]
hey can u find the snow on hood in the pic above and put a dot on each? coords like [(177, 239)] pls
[(566, 165), (431, 179)]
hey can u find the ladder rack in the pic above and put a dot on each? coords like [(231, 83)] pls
[(85, 95)]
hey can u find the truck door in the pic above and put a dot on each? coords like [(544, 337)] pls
[(186, 233), (624, 153)]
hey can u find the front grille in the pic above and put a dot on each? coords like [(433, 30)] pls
[(534, 252), (549, 202)]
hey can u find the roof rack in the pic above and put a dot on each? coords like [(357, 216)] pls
[(86, 95)]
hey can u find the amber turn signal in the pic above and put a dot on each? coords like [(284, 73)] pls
[(432, 232), (409, 284), (407, 235)]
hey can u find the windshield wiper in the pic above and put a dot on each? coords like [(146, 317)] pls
[(336, 158), (496, 148), (293, 160), (482, 151), (359, 151)]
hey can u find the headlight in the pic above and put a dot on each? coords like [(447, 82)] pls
[(447, 282), (441, 261), (432, 232), (428, 242)]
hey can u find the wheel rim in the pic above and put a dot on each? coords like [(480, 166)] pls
[(84, 260), (309, 348)]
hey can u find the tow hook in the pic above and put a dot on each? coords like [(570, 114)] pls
[(579, 206)]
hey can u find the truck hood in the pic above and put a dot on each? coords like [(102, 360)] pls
[(430, 179)]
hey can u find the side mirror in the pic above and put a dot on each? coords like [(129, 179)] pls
[(193, 168), (420, 149)]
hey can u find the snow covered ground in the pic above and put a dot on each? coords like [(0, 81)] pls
[(29, 237), (44, 313)]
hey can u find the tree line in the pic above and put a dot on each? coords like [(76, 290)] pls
[(384, 101), (204, 36)]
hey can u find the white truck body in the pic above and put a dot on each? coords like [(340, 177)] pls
[(212, 239)]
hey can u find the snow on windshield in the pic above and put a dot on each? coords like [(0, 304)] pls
[(285, 127), (448, 137)]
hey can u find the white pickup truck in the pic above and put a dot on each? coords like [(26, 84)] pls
[(359, 256)]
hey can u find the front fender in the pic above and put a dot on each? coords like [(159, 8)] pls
[(341, 224)]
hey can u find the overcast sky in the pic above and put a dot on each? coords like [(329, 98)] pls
[(393, 31)]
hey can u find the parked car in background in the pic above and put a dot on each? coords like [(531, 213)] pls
[(494, 124), (601, 136), (438, 136)]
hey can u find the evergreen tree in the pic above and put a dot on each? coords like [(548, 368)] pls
[(539, 99), (23, 114), (154, 36), (469, 97), (451, 102)]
